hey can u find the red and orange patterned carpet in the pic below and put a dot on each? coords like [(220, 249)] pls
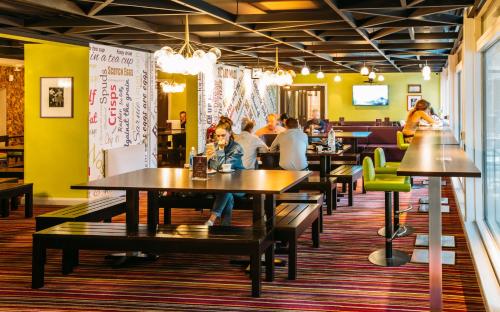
[(335, 277)]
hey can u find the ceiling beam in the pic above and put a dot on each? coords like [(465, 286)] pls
[(133, 11), (11, 21), (323, 25), (411, 31), (377, 4), (227, 17), (378, 20), (423, 36), (153, 4), (285, 17), (416, 46), (98, 7), (70, 7), (313, 34), (346, 16)]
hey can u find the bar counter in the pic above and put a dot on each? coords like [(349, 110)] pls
[(435, 153)]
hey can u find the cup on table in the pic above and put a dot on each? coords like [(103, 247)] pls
[(319, 148), (226, 167)]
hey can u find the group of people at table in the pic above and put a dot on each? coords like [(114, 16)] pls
[(240, 151)]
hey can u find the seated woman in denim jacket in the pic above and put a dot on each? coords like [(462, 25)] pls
[(227, 152)]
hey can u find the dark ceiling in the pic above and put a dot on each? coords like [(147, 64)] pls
[(338, 35)]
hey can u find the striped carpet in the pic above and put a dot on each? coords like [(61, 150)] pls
[(335, 277)]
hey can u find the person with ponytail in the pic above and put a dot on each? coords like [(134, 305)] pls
[(227, 151), (413, 119)]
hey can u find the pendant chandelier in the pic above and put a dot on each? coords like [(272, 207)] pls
[(172, 87), (279, 77), (186, 61)]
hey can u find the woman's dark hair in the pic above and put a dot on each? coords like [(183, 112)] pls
[(226, 124), (284, 116), (292, 123)]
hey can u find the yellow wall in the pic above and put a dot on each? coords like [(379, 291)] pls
[(185, 101), (339, 99), (56, 149)]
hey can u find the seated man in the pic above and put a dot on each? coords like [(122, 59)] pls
[(272, 126), (250, 144), (316, 123), (292, 145)]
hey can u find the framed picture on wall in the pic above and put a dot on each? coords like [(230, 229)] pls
[(414, 88), (56, 97), (412, 100)]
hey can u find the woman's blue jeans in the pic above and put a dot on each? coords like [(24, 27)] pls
[(223, 206)]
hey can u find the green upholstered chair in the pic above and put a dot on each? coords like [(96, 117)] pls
[(402, 145), (388, 184), (382, 166)]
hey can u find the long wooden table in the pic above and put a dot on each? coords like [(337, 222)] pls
[(262, 184), (429, 155)]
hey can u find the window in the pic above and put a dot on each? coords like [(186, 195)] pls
[(491, 124)]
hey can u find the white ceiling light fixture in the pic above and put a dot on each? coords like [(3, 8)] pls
[(381, 77), (305, 70), (320, 74), (186, 61), (372, 75), (337, 77), (364, 70), (426, 71)]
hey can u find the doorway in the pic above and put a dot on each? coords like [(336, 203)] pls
[(300, 101)]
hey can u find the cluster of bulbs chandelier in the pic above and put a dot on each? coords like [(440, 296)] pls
[(186, 61), (172, 87), (371, 73), (278, 76)]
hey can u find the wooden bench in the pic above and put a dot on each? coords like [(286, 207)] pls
[(349, 175), (9, 180), (102, 209), (9, 193), (303, 198), (291, 221), (325, 185), (199, 239), (12, 173)]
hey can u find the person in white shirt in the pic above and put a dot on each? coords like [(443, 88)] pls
[(292, 145), (250, 144)]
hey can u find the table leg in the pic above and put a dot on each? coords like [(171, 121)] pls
[(355, 145), (435, 264), (325, 165), (153, 210), (132, 217)]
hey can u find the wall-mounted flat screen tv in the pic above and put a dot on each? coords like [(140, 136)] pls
[(370, 95)]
